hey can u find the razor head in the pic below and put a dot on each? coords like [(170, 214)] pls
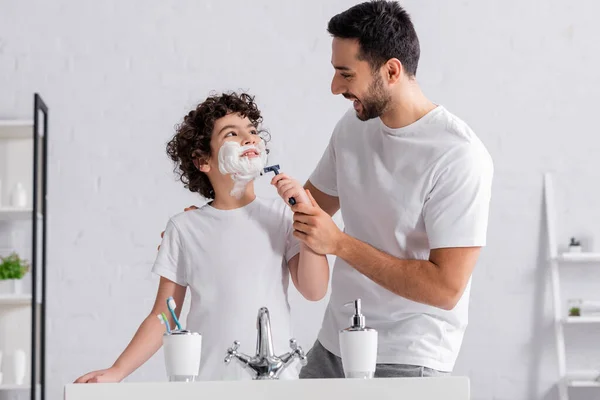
[(273, 168)]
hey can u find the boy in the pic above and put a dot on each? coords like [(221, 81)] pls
[(235, 253)]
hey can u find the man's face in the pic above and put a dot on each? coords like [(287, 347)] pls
[(355, 80)]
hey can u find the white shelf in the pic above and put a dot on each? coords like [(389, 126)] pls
[(583, 378), (578, 257), (16, 129), (15, 300), (578, 383), (18, 387), (16, 214), (582, 320)]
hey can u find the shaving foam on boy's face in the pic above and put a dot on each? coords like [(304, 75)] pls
[(243, 163)]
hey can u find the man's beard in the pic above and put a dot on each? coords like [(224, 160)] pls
[(376, 101)]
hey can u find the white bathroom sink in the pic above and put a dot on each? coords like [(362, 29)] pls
[(447, 388)]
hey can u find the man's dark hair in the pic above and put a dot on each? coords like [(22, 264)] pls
[(383, 30), (192, 139)]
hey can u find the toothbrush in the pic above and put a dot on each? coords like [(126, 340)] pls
[(163, 320), (275, 168), (171, 305)]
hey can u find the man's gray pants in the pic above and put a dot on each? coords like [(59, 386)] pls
[(323, 364)]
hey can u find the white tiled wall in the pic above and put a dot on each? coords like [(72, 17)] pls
[(118, 75)]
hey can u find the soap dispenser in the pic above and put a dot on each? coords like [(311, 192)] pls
[(358, 346)]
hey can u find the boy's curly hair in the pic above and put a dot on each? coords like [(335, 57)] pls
[(192, 138)]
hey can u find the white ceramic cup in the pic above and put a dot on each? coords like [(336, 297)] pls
[(359, 353), (182, 350)]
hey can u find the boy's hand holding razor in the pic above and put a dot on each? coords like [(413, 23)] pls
[(288, 187)]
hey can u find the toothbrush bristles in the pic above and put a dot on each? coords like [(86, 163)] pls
[(172, 303)]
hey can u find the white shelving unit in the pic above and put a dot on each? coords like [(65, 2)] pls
[(587, 378), (24, 161)]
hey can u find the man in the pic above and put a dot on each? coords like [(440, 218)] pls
[(413, 183)]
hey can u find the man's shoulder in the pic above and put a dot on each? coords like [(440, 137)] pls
[(454, 135), (454, 128)]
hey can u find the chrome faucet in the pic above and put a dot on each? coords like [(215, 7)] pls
[(265, 365)]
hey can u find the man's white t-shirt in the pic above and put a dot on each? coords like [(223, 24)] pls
[(233, 262), (405, 191)]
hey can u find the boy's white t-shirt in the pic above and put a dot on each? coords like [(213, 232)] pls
[(234, 262), (405, 191)]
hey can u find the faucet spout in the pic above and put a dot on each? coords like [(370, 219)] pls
[(264, 339)]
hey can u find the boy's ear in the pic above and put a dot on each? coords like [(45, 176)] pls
[(201, 162)]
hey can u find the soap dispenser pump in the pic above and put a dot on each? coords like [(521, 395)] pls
[(358, 346)]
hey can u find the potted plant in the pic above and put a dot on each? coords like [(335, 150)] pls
[(12, 271), (574, 312), (575, 246)]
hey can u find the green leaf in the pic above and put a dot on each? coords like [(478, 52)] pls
[(13, 267)]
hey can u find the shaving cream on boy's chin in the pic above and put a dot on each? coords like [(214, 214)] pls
[(242, 169)]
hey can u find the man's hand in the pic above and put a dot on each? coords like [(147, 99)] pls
[(315, 228), (288, 187), (190, 208)]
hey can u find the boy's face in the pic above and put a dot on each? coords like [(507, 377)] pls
[(236, 129), (355, 80)]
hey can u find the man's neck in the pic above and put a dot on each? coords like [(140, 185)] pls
[(408, 107)]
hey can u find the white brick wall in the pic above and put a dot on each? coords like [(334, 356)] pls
[(118, 75)]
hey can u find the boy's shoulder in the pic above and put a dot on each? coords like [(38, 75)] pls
[(270, 202), (273, 207), (275, 204), (185, 218), (271, 211)]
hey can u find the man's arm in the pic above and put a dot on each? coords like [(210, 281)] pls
[(439, 281), (329, 204)]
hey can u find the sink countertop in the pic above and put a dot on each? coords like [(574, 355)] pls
[(446, 388)]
